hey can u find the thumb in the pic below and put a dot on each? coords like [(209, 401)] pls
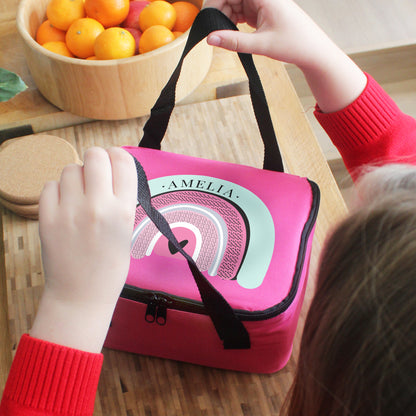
[(233, 40)]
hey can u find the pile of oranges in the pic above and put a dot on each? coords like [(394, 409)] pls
[(112, 29)]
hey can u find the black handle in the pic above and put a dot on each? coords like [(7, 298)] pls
[(229, 328), (207, 21)]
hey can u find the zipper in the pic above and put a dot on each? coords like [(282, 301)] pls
[(159, 302), (156, 310)]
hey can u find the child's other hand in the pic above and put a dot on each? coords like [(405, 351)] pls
[(283, 31), (86, 222)]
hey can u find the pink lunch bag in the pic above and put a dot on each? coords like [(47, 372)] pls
[(220, 251)]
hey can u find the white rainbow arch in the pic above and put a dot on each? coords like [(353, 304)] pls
[(213, 216)]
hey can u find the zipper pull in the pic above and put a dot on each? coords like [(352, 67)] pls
[(161, 313), (150, 315)]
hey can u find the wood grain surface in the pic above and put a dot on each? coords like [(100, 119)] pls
[(222, 129)]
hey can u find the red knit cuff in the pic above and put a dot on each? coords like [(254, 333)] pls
[(363, 121), (53, 378)]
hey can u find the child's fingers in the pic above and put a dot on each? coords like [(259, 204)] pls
[(234, 41), (216, 4), (71, 184), (97, 173), (124, 174), (49, 201)]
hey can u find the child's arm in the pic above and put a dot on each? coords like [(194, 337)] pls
[(85, 221), (361, 119), (286, 33)]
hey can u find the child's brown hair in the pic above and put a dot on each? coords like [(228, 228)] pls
[(358, 349)]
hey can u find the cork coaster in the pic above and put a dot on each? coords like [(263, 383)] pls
[(27, 162), (28, 211)]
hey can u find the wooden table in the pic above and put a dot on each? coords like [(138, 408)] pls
[(225, 130)]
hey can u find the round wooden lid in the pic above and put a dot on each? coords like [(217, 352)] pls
[(27, 162)]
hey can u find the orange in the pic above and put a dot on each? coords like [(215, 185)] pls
[(177, 34), (61, 13), (58, 47), (185, 15), (114, 43), (159, 12), (107, 12), (47, 33), (154, 37), (81, 35)]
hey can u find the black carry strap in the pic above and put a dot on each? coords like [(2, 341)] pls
[(229, 328), (207, 21)]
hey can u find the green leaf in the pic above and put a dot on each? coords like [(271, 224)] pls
[(10, 84)]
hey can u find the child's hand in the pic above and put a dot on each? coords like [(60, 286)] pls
[(283, 30), (85, 222), (286, 33)]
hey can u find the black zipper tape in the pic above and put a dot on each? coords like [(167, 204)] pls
[(158, 299)]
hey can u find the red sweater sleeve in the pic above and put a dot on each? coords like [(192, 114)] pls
[(371, 130), (49, 379)]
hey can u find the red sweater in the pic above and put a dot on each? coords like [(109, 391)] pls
[(48, 379), (371, 130)]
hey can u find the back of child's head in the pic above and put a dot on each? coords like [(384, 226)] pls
[(385, 180), (358, 349)]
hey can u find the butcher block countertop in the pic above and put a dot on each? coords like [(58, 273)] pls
[(203, 125)]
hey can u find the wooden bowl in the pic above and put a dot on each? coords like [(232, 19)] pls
[(112, 89)]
